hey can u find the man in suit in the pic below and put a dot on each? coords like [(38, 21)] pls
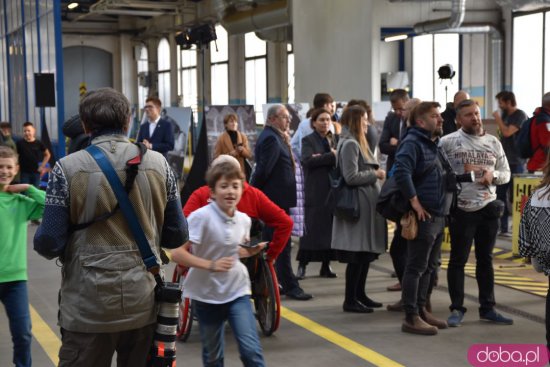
[(274, 176), (395, 126), (157, 133)]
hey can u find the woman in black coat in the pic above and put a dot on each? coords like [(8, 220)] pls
[(318, 159)]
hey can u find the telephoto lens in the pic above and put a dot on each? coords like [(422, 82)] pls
[(163, 350)]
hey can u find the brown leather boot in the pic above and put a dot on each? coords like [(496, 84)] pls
[(432, 320), (415, 325), (394, 288), (396, 307)]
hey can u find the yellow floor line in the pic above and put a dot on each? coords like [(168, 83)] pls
[(343, 342), (47, 339)]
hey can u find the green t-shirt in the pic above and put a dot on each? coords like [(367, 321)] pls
[(15, 211)]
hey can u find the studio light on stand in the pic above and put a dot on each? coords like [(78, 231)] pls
[(446, 72)]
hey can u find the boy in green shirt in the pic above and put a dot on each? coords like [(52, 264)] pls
[(15, 210)]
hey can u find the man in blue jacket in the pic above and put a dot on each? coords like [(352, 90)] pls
[(274, 176), (421, 178), (157, 133)]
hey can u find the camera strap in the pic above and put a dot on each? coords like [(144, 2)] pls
[(127, 209)]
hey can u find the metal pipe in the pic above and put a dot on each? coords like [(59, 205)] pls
[(458, 10)]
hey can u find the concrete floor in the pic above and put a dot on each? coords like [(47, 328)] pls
[(334, 338)]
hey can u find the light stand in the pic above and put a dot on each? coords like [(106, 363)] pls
[(446, 72)]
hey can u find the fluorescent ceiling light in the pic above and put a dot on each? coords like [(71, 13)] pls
[(72, 6), (397, 37)]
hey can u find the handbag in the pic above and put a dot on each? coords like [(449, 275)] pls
[(409, 225), (342, 199)]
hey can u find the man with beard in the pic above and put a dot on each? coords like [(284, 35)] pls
[(509, 123), (421, 178), (476, 217)]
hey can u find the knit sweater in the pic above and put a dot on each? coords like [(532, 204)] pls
[(479, 154)]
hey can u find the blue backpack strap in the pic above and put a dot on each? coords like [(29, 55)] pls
[(127, 209)]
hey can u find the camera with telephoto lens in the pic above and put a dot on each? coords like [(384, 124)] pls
[(466, 177), (163, 350)]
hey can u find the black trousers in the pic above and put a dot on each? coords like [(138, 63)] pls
[(283, 264), (479, 227), (398, 253)]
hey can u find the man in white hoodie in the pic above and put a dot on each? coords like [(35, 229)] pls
[(476, 218)]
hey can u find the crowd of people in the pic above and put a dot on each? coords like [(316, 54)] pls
[(83, 227)]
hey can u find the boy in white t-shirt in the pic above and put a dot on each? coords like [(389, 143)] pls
[(218, 282)]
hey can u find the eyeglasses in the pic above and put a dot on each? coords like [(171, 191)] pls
[(284, 117), (149, 106)]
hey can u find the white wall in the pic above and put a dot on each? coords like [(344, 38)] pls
[(332, 48), (338, 48)]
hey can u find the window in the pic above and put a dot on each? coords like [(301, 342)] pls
[(164, 71), (220, 68), (430, 52), (143, 76), (188, 79), (256, 73), (290, 77), (527, 68)]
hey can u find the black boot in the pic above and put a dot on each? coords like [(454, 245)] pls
[(301, 271), (326, 271), (360, 290)]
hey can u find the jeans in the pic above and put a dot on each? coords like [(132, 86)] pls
[(31, 178), (239, 314), (504, 194), (15, 298), (283, 265), (422, 260), (481, 228)]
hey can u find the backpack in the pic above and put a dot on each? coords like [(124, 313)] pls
[(523, 139)]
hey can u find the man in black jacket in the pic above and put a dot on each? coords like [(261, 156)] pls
[(274, 176), (449, 115), (395, 126), (420, 176)]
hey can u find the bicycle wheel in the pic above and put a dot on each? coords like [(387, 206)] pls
[(265, 298), (185, 319)]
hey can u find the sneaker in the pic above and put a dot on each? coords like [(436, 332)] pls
[(496, 318), (455, 319)]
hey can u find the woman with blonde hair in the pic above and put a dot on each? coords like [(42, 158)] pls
[(358, 243), (233, 142)]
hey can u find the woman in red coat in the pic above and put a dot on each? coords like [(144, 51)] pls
[(255, 204)]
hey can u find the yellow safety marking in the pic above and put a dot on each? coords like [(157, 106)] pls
[(513, 279), (45, 336), (343, 342), (508, 279), (523, 284)]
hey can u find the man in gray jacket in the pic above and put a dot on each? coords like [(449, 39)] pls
[(106, 299), (476, 218)]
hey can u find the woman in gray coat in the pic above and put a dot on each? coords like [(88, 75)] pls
[(358, 243)]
